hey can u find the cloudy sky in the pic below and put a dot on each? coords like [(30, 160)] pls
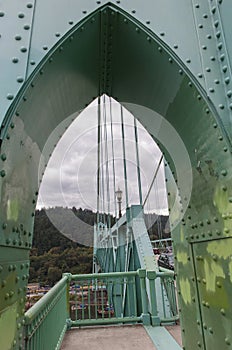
[(70, 178)]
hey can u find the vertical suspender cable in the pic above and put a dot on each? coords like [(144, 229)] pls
[(98, 156), (124, 157), (102, 173), (106, 161), (113, 159), (137, 161)]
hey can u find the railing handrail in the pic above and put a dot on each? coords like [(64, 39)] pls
[(165, 272), (103, 275), (34, 311)]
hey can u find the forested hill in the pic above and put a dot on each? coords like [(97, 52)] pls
[(53, 253)]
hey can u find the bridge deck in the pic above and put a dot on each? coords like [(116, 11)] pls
[(131, 337)]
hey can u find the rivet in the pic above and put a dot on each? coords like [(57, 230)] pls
[(199, 97), (222, 57), (213, 9), (220, 46), (218, 284), (23, 49), (226, 230), (7, 296), (210, 330), (10, 96), (216, 23), (3, 173), (224, 69), (224, 188), (197, 6), (29, 5), (225, 149), (148, 39), (207, 111), (188, 60), (70, 22), (204, 47), (26, 26), (212, 58), (162, 34), (18, 37), (21, 15), (220, 138), (20, 79), (32, 62), (204, 326), (2, 14), (218, 34), (45, 48), (190, 84), (211, 90), (200, 26), (3, 283), (221, 106), (227, 340), (199, 75), (216, 81), (209, 36), (180, 72), (208, 69), (175, 46), (224, 172), (227, 80), (223, 312), (230, 105), (57, 34)]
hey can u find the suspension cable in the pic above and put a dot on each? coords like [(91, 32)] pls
[(137, 161), (106, 161), (153, 180), (124, 157), (113, 158), (98, 155)]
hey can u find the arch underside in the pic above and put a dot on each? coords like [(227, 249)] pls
[(115, 55)]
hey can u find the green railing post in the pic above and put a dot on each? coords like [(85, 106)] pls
[(155, 320), (69, 278), (145, 315)]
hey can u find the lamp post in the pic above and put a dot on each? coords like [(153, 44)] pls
[(118, 194)]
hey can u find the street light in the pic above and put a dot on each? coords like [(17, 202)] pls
[(118, 194)]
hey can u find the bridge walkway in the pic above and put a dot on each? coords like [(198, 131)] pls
[(131, 337)]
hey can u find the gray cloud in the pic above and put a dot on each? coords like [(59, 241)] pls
[(70, 177)]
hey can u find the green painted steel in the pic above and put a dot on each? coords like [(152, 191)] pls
[(46, 321), (173, 58)]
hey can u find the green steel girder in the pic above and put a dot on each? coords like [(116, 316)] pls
[(173, 58)]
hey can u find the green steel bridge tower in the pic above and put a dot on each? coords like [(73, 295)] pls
[(169, 63)]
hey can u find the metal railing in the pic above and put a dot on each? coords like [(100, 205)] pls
[(45, 321), (94, 299), (104, 298)]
